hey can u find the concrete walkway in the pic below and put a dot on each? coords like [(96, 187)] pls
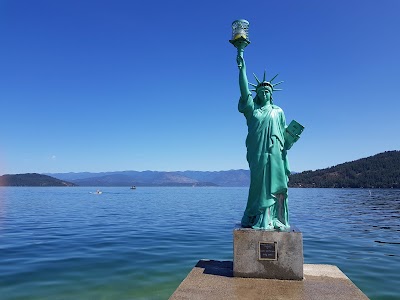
[(211, 279)]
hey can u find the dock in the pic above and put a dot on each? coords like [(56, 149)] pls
[(211, 279)]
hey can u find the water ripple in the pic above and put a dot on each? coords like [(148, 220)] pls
[(65, 243)]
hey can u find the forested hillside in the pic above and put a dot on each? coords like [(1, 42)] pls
[(32, 179), (378, 171)]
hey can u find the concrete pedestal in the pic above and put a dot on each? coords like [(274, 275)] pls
[(268, 254)]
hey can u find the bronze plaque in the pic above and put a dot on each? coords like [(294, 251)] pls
[(267, 251)]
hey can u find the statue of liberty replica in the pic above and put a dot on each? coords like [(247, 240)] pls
[(267, 142)]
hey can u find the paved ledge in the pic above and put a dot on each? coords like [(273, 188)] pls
[(211, 279)]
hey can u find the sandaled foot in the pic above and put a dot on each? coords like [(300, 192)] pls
[(279, 225)]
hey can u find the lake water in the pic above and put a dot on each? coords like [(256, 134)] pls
[(67, 243)]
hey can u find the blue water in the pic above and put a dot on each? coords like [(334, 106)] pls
[(66, 243)]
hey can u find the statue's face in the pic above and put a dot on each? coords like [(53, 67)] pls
[(264, 95)]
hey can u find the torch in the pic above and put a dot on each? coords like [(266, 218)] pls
[(240, 35)]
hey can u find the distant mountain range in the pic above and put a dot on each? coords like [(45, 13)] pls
[(378, 171), (156, 178), (32, 179)]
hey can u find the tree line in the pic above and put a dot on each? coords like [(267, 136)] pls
[(379, 171)]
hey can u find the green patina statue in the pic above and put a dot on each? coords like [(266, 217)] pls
[(267, 142)]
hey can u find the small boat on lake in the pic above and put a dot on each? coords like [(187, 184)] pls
[(98, 192), (133, 187)]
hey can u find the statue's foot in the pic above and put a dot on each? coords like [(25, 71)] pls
[(279, 225), (267, 227), (263, 228)]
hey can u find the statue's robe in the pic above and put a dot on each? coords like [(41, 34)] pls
[(269, 167)]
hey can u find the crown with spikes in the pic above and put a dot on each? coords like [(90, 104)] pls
[(265, 83)]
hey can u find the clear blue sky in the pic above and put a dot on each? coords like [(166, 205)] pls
[(153, 85)]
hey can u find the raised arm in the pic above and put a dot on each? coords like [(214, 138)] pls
[(246, 104), (243, 82)]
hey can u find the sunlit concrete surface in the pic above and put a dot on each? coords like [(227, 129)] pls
[(211, 279)]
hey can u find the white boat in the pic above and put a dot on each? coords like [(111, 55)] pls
[(98, 192)]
